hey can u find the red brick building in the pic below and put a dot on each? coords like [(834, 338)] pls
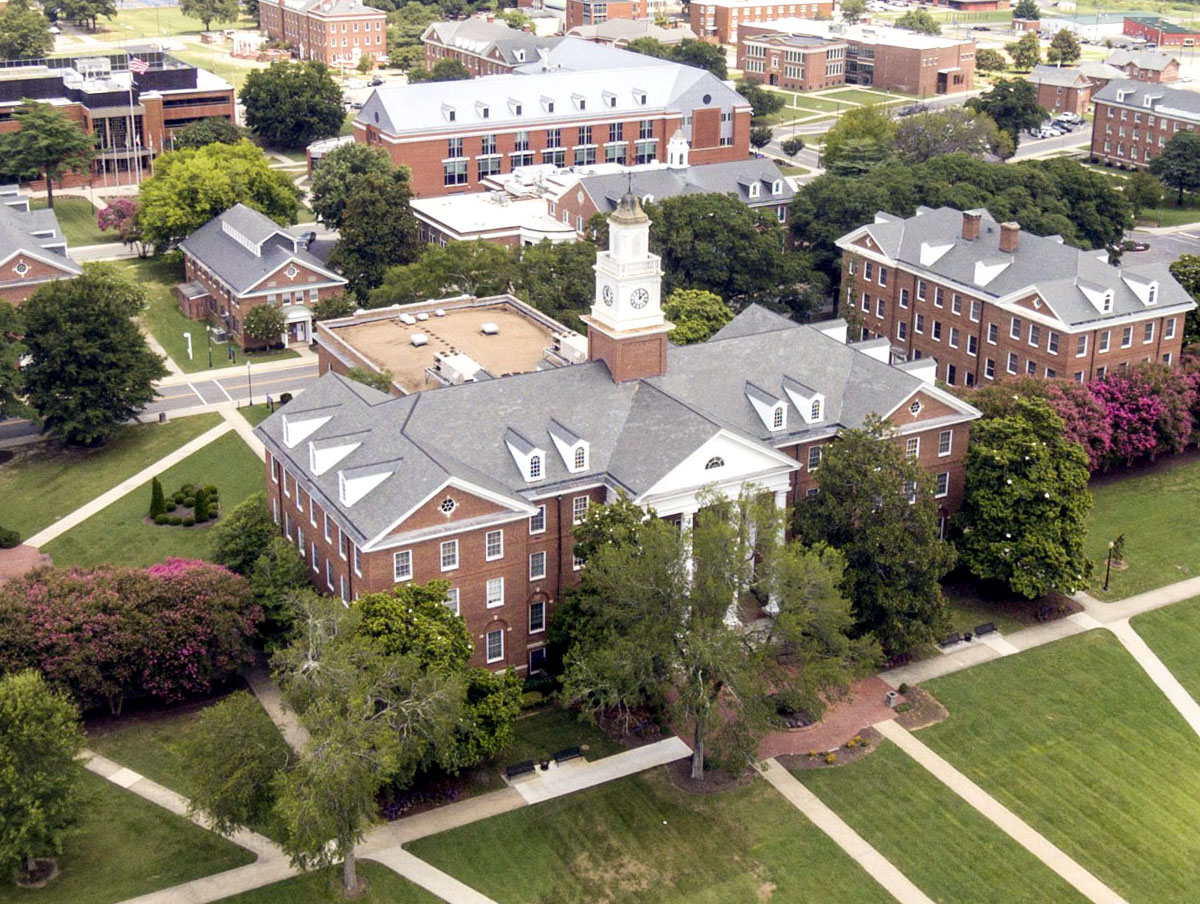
[(983, 300), (1135, 120), (337, 33), (33, 250), (1145, 65), (593, 12), (1062, 89), (720, 21), (480, 484), (1159, 31), (616, 107), (797, 62), (485, 48)]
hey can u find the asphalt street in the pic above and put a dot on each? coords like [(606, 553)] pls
[(1164, 247)]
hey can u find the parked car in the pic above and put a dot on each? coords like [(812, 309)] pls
[(1131, 245), (375, 82), (1073, 118), (913, 108)]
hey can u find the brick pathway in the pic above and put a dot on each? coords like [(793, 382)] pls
[(862, 708), (20, 559)]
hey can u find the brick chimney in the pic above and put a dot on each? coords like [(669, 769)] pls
[(1009, 234), (970, 230)]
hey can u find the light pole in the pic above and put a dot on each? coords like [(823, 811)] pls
[(1108, 564), (208, 333), (249, 383)]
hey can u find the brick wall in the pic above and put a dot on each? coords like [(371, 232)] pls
[(1131, 138), (721, 24), (1060, 99)]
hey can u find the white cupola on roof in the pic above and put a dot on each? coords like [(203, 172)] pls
[(677, 151)]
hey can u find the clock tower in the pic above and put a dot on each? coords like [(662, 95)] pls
[(626, 328)]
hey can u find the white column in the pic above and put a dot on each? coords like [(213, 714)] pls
[(781, 504), (686, 520)]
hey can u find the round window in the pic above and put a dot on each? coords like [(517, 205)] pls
[(707, 98), (448, 506), (915, 408)]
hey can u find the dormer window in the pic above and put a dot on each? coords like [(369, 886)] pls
[(535, 467), (1106, 305), (1152, 294), (580, 101), (484, 110), (815, 410), (754, 189), (547, 105), (573, 449), (777, 187), (639, 97), (610, 99), (519, 55), (809, 402), (450, 113), (530, 459), (516, 107), (771, 409), (779, 418), (713, 463), (580, 458)]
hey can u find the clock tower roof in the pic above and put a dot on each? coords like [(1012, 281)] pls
[(629, 211)]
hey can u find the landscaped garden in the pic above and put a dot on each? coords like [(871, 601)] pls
[(120, 534), (44, 482), (643, 840), (1078, 742), (385, 887)]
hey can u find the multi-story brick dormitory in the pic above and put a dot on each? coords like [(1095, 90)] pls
[(593, 12), (1134, 121), (337, 33), (480, 483), (984, 300), (720, 21), (1145, 65), (484, 48), (581, 104), (33, 250)]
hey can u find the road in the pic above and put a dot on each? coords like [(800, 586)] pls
[(1164, 247)]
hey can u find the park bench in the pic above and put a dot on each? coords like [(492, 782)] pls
[(522, 768), (950, 639), (985, 628), (567, 753)]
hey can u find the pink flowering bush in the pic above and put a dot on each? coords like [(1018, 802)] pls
[(1085, 421), (107, 633), (1134, 410)]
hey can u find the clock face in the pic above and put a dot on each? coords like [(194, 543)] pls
[(608, 295), (639, 299)]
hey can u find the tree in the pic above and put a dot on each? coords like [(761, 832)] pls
[(376, 379), (191, 186), (292, 105), (333, 306), (91, 370), (46, 145), (558, 279), (696, 314), (24, 32), (209, 11), (1186, 269), (250, 9), (792, 146), (365, 63), (1027, 9), (158, 502), (661, 610), (264, 324), (702, 55), (200, 511), (761, 136), (123, 215), (467, 268), (241, 536), (877, 507), (40, 793), (762, 101), (869, 124), (920, 21), (1178, 164), (1026, 51), (12, 350), (989, 60), (210, 130), (1024, 516), (81, 12), (951, 131), (1134, 409), (1012, 103), (277, 576), (1064, 48), (853, 10), (1143, 191), (338, 173), (378, 231), (447, 70)]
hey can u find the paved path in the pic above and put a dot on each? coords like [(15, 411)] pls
[(576, 775), (1007, 821), (441, 819), (267, 691), (876, 865), (429, 877), (241, 426), (81, 514), (1158, 672)]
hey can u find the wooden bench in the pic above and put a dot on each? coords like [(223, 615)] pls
[(567, 753), (985, 628), (950, 639), (522, 768)]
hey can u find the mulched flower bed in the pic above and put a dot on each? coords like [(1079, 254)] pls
[(853, 750), (926, 710)]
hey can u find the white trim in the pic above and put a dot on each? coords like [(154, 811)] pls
[(516, 506)]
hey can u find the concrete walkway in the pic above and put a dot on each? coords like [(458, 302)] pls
[(876, 865), (1158, 672), (81, 514), (429, 877), (241, 426), (1007, 821), (440, 819), (264, 688), (576, 775)]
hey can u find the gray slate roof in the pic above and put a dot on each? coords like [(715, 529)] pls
[(33, 232), (1143, 59), (1064, 76), (637, 431), (236, 264), (733, 178), (625, 30), (1165, 100), (1053, 269), (480, 37)]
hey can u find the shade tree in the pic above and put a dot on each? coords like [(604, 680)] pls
[(46, 145), (292, 104)]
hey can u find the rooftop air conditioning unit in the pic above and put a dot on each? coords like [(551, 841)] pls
[(422, 316), (440, 312), (489, 329), (418, 339), (408, 319)]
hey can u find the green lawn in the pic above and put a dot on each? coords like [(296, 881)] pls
[(1171, 632), (46, 481), (77, 220), (968, 609), (255, 414), (147, 23), (858, 96), (1076, 740), (324, 888), (218, 62), (1170, 215), (816, 104), (642, 840), (789, 169), (939, 841), (1149, 508), (120, 535), (124, 847), (541, 733)]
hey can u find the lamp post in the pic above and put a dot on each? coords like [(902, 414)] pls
[(208, 333), (1108, 564), (249, 383)]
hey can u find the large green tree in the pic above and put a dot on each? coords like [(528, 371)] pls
[(292, 105), (1026, 51), (91, 370), (240, 537), (1143, 191), (468, 268), (12, 349), (81, 12), (211, 130), (763, 102), (877, 506), (1178, 164), (920, 21), (869, 124), (1024, 519), (378, 231), (337, 174), (988, 59), (447, 70), (46, 146), (1186, 269), (40, 794), (1012, 103), (209, 11), (558, 279), (697, 314), (853, 10), (1064, 48), (1027, 9), (24, 32), (264, 325), (191, 186), (950, 131)]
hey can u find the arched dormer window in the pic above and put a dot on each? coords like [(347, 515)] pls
[(1152, 294), (754, 190), (815, 411), (535, 467), (1107, 303), (713, 463), (777, 419), (580, 458)]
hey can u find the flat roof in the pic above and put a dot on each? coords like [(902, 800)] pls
[(1163, 25), (862, 34), (382, 338), (483, 212)]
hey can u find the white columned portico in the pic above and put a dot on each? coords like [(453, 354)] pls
[(781, 503)]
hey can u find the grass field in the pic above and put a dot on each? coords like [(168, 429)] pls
[(1148, 507), (120, 535), (45, 481), (1075, 738), (642, 840), (255, 414), (124, 847), (149, 23), (1171, 632), (858, 96), (815, 104), (325, 888), (967, 610), (952, 852), (77, 220)]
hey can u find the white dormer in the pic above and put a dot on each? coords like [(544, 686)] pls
[(777, 187), (530, 459), (771, 409), (639, 97), (573, 449), (931, 254), (609, 99), (298, 428), (449, 113), (355, 483), (514, 105), (1123, 93), (1145, 290), (1100, 297), (809, 402), (986, 271), (519, 55), (579, 101), (753, 190), (483, 110), (547, 104), (325, 453)]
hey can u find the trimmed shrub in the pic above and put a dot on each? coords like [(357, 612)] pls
[(200, 511), (158, 502), (189, 502), (9, 538), (176, 521), (171, 506), (162, 519), (189, 522)]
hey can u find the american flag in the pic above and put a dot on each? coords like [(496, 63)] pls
[(137, 65)]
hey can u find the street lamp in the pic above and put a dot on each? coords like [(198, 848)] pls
[(208, 333), (1108, 565), (249, 383)]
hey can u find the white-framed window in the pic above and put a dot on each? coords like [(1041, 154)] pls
[(452, 600), (1127, 337), (275, 509), (1148, 333), (535, 467), (495, 645), (943, 485), (1052, 342), (1081, 346), (1014, 328), (919, 326), (1103, 341), (815, 454), (300, 541), (868, 271), (329, 574), (903, 298), (299, 498), (401, 565), (814, 410), (989, 368), (778, 418), (316, 562), (883, 274), (495, 592), (921, 290), (901, 330), (312, 510), (945, 441), (976, 309), (449, 557), (910, 491), (537, 522), (912, 446), (1035, 335), (880, 307), (580, 458), (992, 333), (953, 337), (274, 466), (287, 491), (537, 617), (955, 303), (972, 345), (579, 505), (537, 566), (328, 531), (1012, 362), (1169, 328), (493, 545), (287, 525), (357, 560)]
